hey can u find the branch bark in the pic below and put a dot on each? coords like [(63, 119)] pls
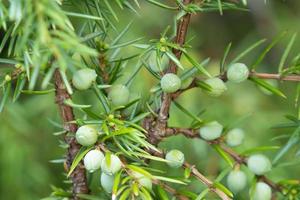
[(78, 176), (199, 176), (295, 78), (166, 99), (207, 182)]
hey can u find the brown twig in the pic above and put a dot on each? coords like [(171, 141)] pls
[(198, 175), (238, 158), (181, 33), (190, 133), (102, 67), (295, 78), (206, 181), (78, 176), (166, 99)]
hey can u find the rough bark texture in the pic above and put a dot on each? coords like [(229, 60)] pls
[(182, 28), (157, 129), (66, 112)]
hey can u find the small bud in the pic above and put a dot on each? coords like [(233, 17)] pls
[(162, 40), (259, 164), (218, 87), (143, 180), (237, 72), (262, 191), (175, 157), (163, 49), (84, 78), (236, 181), (18, 65), (114, 165), (92, 160), (119, 95), (7, 78), (211, 131), (170, 83), (235, 137), (107, 182), (86, 135), (101, 45), (111, 124)]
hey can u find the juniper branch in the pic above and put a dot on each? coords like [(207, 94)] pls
[(192, 133), (166, 99)]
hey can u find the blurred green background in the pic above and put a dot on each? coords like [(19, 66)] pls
[(27, 143)]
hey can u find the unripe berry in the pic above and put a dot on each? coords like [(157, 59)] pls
[(236, 181), (114, 165), (175, 158), (262, 191), (170, 83), (84, 78), (143, 180), (107, 182), (237, 72), (217, 87), (235, 137), (211, 131), (119, 95), (92, 160), (86, 135), (259, 164)]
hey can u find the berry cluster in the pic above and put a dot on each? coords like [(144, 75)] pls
[(119, 95), (258, 164), (236, 73), (110, 164)]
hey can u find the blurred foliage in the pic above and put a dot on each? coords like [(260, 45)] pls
[(27, 144)]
